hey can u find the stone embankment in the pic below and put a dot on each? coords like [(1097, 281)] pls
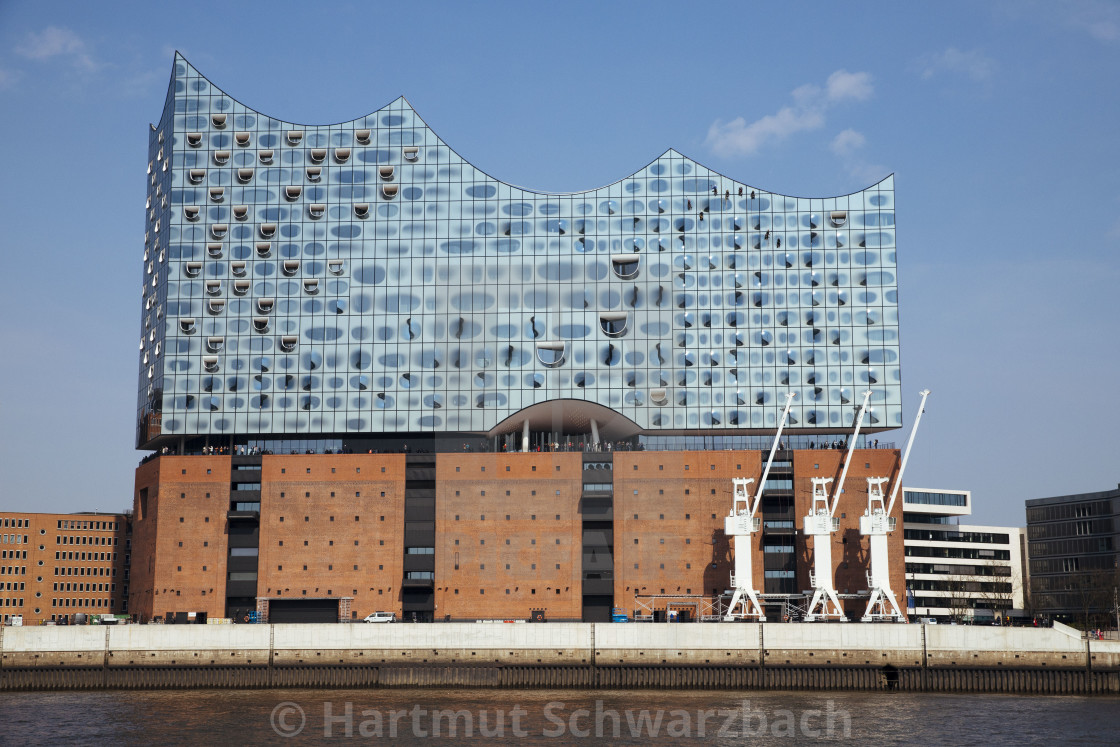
[(580, 655)]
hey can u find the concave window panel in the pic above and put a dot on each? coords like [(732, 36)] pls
[(614, 323), (245, 175), (659, 397), (218, 120), (265, 305), (838, 218), (214, 249), (240, 212), (214, 287), (265, 156), (197, 175), (192, 269), (410, 152), (552, 353), (194, 139), (210, 363), (221, 157), (241, 287), (288, 343), (318, 154), (294, 137), (311, 286), (190, 212), (362, 136), (314, 174), (341, 155), (317, 210), (264, 248), (215, 344), (389, 191), (268, 230), (626, 266), (243, 138), (237, 268), (217, 194), (291, 266), (187, 325), (260, 323), (386, 172), (216, 305), (361, 209), (335, 266), (293, 192)]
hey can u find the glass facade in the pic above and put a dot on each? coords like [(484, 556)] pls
[(362, 277)]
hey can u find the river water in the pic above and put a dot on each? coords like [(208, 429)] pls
[(533, 717)]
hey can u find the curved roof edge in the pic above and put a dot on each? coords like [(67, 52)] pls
[(670, 152)]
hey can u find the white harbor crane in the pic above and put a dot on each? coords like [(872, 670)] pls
[(876, 524), (740, 525), (820, 524)]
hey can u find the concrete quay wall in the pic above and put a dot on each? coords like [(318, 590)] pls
[(555, 644)]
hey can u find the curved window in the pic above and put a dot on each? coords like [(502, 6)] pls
[(242, 138), (625, 266), (389, 191), (190, 212), (265, 305), (217, 194), (318, 154), (240, 212), (552, 353), (341, 155), (838, 218), (264, 248), (215, 344), (316, 210), (237, 268), (197, 175), (260, 323), (186, 325), (210, 363), (265, 156), (216, 305), (192, 269), (218, 120), (214, 249), (659, 397), (294, 137), (314, 173), (386, 172), (240, 287), (293, 193), (288, 343), (268, 230), (194, 139), (244, 175), (214, 287), (335, 266), (311, 286), (362, 136), (291, 267), (361, 210), (221, 157), (410, 152), (614, 323)]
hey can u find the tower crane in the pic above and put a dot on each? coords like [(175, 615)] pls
[(876, 524), (740, 525), (820, 524)]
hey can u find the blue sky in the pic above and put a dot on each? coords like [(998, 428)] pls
[(999, 119)]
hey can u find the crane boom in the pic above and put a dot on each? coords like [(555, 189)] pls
[(848, 455), (773, 449), (906, 454)]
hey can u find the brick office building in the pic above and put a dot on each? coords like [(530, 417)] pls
[(357, 344), (54, 566)]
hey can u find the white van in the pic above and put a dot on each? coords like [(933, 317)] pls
[(381, 617)]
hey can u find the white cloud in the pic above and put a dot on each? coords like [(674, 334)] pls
[(1100, 19), (847, 142), (740, 138), (973, 64), (56, 42), (843, 85)]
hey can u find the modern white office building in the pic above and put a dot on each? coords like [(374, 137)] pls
[(958, 571)]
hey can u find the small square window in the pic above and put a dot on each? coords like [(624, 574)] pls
[(534, 469), (305, 568), (308, 472), (381, 542), (332, 471), (816, 466), (358, 469), (279, 567), (661, 516), (661, 541), (713, 516), (661, 466), (688, 541), (483, 469), (307, 495), (662, 568), (456, 469), (357, 494), (207, 471), (305, 543), (507, 468), (688, 566), (182, 495), (558, 541), (557, 568), (687, 517), (712, 466), (483, 492), (482, 566), (283, 470), (738, 466), (184, 472), (382, 493), (533, 492), (456, 492), (281, 494), (635, 516), (635, 468), (661, 491), (533, 567), (332, 494), (382, 469), (635, 540), (635, 492), (867, 465), (635, 566)]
